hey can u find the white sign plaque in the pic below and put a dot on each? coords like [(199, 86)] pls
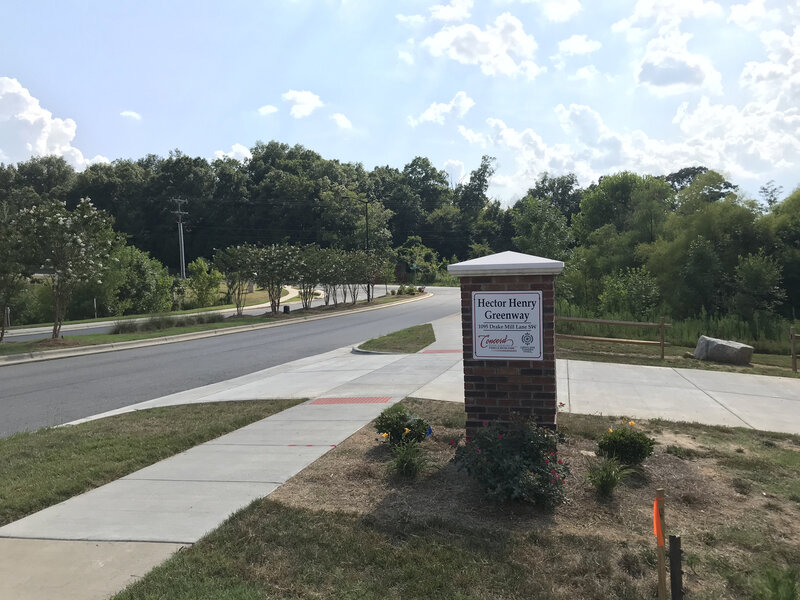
[(507, 325)]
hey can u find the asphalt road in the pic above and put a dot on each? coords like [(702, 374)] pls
[(52, 392)]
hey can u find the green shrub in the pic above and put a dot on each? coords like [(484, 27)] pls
[(408, 460), (779, 585), (398, 426), (626, 444), (606, 475), (123, 326), (517, 463)]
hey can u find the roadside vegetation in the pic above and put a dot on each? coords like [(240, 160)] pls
[(160, 326), (349, 526), (44, 467), (690, 245), (405, 341)]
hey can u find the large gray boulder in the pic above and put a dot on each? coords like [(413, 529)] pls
[(723, 351)]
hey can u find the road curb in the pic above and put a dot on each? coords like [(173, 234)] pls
[(15, 359), (357, 350)]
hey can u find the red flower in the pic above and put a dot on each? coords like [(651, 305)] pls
[(452, 442), (561, 462), (485, 423)]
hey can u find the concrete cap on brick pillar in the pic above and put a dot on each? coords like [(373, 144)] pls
[(506, 263)]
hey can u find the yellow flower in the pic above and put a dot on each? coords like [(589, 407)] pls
[(610, 430), (406, 431), (384, 435), (631, 423)]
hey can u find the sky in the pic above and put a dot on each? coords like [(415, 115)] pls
[(585, 86)]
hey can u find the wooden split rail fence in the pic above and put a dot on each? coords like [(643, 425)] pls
[(661, 326)]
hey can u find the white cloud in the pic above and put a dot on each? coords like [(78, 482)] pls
[(341, 121), (557, 11), (303, 103), (578, 44), (473, 137), (455, 171), (752, 15), (238, 151), (586, 73), (130, 114), (455, 10), (668, 67), (436, 112), (413, 20), (405, 56), (575, 45), (749, 142), (267, 109), (777, 80), (647, 13), (502, 48), (28, 130)]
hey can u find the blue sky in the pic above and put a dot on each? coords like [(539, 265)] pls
[(543, 85)]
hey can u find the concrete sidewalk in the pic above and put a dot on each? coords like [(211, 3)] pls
[(95, 544)]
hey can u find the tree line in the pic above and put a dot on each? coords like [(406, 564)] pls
[(686, 244)]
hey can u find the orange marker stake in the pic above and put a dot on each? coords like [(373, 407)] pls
[(658, 531)]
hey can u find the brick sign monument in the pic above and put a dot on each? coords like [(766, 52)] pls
[(507, 320)]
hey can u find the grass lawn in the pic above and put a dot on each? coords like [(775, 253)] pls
[(9, 347), (762, 364), (44, 467), (344, 529), (405, 341)]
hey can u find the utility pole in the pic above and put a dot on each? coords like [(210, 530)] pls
[(366, 204), (179, 213)]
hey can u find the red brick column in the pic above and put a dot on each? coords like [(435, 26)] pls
[(498, 390)]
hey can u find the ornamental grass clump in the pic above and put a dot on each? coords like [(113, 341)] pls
[(408, 460), (628, 445), (397, 426), (518, 463), (606, 475)]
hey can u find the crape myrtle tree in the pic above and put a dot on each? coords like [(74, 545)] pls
[(308, 272), (275, 267), (73, 247), (14, 268), (331, 269), (238, 266), (355, 266)]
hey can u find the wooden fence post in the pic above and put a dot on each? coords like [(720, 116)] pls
[(792, 337), (661, 331)]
